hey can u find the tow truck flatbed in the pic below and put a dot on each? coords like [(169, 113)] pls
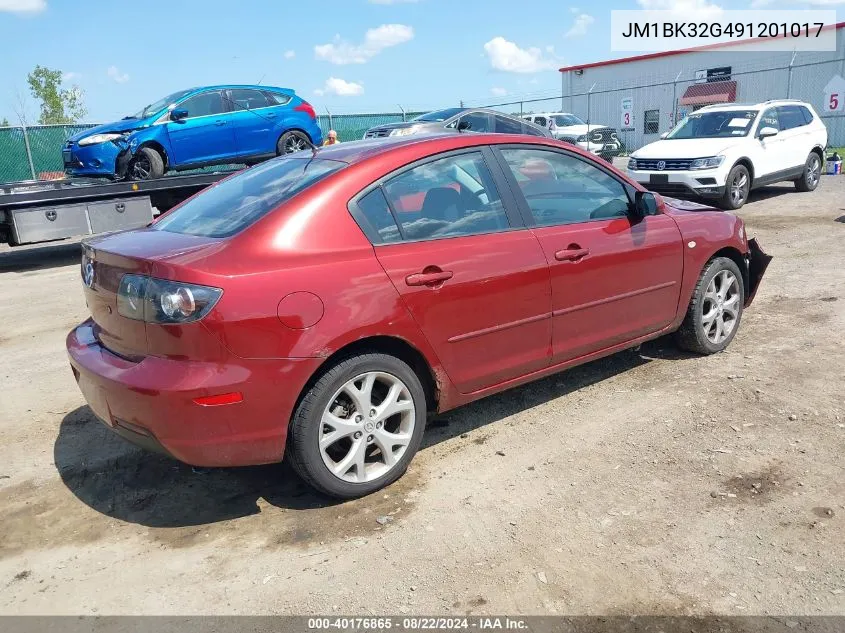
[(44, 210)]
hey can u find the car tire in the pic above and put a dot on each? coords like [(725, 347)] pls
[(811, 176), (147, 164), (737, 186), (293, 141), (703, 328), (328, 465)]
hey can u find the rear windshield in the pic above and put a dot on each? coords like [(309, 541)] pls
[(238, 202)]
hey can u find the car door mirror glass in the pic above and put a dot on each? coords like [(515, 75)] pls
[(767, 132), (645, 204), (178, 114), (464, 125)]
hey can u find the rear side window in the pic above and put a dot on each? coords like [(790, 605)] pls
[(790, 117), (805, 112), (374, 217), (247, 99), (277, 98), (504, 125), (236, 203)]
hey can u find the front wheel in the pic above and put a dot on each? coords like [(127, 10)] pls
[(715, 309), (146, 165), (357, 429), (809, 180), (737, 187), (293, 141)]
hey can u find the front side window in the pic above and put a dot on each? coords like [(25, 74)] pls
[(565, 120), (246, 99), (562, 189), (541, 120), (719, 124), (475, 122), (205, 104), (237, 202), (449, 197), (770, 119), (651, 122)]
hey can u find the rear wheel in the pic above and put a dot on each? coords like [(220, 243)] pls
[(293, 141), (147, 164), (357, 429), (715, 309), (809, 180), (737, 187)]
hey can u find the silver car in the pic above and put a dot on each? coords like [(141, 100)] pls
[(462, 120)]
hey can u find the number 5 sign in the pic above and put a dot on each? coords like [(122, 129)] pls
[(627, 110), (834, 94)]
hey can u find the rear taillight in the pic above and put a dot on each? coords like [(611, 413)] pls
[(163, 301), (307, 108)]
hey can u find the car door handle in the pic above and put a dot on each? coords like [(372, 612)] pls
[(220, 123), (270, 115), (428, 278), (572, 254)]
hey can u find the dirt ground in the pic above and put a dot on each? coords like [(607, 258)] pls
[(651, 482)]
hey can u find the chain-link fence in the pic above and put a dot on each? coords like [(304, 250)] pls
[(655, 102), (35, 152)]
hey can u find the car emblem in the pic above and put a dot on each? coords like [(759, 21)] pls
[(661, 165), (88, 274), (50, 214), (597, 137)]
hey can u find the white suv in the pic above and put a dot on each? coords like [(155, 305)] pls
[(723, 152), (597, 139)]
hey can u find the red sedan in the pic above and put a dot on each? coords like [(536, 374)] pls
[(319, 305)]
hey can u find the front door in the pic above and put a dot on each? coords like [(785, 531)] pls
[(206, 134), (613, 278), (474, 280), (771, 151)]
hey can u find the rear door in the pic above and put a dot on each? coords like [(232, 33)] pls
[(254, 117), (613, 278), (206, 134), (797, 136), (472, 276)]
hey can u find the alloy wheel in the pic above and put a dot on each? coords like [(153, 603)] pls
[(294, 144), (739, 188), (720, 308), (813, 171), (141, 168), (366, 427)]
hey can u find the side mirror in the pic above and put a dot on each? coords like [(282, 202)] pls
[(664, 135), (766, 132), (178, 115), (645, 204), (464, 125)]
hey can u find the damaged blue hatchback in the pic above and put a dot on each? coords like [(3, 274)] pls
[(195, 128)]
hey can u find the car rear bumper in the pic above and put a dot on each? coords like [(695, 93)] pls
[(151, 402)]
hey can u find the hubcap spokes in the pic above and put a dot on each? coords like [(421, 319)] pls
[(813, 172), (294, 144), (141, 169), (367, 427), (738, 188), (720, 308)]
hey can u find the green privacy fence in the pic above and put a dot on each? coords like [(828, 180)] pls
[(35, 152)]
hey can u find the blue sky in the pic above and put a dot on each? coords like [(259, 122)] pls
[(344, 55)]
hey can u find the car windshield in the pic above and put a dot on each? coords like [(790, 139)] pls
[(563, 120), (159, 105), (238, 202), (439, 115), (722, 124)]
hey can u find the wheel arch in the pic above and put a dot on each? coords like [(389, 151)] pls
[(819, 150), (294, 128), (746, 162), (738, 258), (382, 344), (157, 147)]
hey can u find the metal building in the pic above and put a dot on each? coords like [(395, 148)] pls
[(658, 89)]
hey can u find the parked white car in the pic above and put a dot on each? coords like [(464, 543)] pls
[(723, 152), (597, 139)]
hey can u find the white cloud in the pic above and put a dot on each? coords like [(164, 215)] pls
[(115, 74), (687, 8), (340, 87), (342, 52), (67, 77), (290, 54), (580, 26), (508, 57), (498, 92), (23, 6)]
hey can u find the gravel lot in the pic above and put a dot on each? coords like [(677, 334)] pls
[(649, 482)]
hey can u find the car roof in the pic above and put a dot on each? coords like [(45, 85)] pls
[(238, 86), (717, 107)]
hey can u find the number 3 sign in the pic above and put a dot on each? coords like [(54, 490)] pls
[(627, 110)]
